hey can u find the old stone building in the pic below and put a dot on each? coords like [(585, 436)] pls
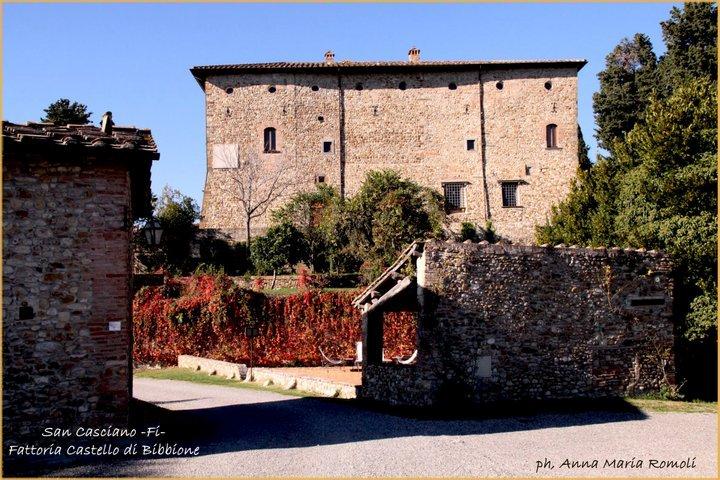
[(511, 322), (70, 194), (498, 138)]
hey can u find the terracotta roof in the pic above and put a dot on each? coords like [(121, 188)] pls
[(80, 136), (203, 71), (132, 146)]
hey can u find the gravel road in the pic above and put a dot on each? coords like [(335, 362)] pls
[(243, 432)]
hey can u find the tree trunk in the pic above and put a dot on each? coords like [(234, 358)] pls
[(272, 284), (247, 232)]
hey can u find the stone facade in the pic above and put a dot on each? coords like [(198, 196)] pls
[(504, 322), (417, 118), (68, 210)]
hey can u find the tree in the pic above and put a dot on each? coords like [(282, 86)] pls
[(257, 183), (282, 245), (625, 85), (583, 149), (63, 112), (315, 214), (387, 214), (691, 39), (177, 214), (668, 194)]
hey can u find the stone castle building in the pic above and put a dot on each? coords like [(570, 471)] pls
[(497, 138)]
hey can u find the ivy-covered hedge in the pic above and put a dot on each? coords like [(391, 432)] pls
[(206, 315)]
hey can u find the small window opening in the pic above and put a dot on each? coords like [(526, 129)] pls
[(272, 89), (454, 196), (452, 86), (358, 86), (402, 86), (499, 85), (527, 169), (321, 119), (509, 194), (548, 85), (320, 179), (314, 88), (647, 301), (229, 90), (327, 147), (551, 135), (471, 144), (269, 140)]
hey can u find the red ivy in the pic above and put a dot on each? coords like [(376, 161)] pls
[(207, 315)]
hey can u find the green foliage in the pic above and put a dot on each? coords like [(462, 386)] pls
[(314, 214), (222, 253), (386, 215), (658, 188), (177, 214), (583, 149), (667, 195), (283, 245), (625, 86), (468, 232), (62, 112), (691, 39)]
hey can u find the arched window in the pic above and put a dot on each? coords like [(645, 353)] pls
[(269, 140), (551, 135)]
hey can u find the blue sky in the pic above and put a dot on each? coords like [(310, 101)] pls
[(133, 59)]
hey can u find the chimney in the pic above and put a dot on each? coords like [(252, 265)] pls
[(107, 123), (414, 55), (329, 57)]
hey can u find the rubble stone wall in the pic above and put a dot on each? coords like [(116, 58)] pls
[(506, 322), (66, 278), (420, 130)]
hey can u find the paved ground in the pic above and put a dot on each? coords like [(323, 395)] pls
[(244, 432)]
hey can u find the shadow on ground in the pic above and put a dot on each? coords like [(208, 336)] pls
[(309, 422)]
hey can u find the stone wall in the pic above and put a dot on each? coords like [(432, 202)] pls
[(503, 322), (420, 130), (66, 281)]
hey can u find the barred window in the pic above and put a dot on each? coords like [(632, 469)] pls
[(509, 194), (454, 196), (269, 140)]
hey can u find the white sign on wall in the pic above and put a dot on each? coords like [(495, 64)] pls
[(225, 156)]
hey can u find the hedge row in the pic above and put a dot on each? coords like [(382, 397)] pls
[(207, 316)]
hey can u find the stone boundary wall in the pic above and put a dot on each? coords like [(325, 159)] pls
[(267, 376), (326, 388), (512, 322), (213, 367)]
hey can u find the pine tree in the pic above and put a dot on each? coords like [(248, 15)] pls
[(625, 86), (63, 112)]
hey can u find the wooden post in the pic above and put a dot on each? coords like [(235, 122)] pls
[(372, 323)]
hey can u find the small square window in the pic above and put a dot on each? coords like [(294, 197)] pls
[(320, 179), (327, 147), (471, 144), (454, 196), (509, 194)]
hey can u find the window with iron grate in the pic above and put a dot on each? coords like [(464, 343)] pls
[(509, 194), (454, 196)]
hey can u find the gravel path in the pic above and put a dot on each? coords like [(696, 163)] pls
[(244, 432)]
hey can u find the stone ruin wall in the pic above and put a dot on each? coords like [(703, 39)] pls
[(66, 253), (505, 322), (420, 131)]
